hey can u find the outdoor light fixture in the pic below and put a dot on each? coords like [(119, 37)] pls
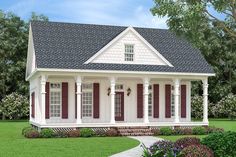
[(108, 91), (128, 91)]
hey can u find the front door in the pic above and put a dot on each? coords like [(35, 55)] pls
[(119, 106)]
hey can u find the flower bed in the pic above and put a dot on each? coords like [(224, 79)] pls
[(30, 132), (167, 131)]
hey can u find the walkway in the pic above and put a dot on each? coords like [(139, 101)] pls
[(137, 151)]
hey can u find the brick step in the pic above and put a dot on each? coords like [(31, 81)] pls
[(133, 130), (136, 134), (133, 127)]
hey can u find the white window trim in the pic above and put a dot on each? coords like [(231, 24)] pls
[(50, 90), (129, 53), (87, 90), (119, 90)]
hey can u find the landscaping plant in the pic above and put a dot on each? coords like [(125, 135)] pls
[(74, 133), (199, 130), (166, 131), (86, 132), (186, 141), (112, 132), (47, 133), (223, 144), (196, 151)]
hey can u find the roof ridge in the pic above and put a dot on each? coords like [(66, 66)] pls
[(94, 24)]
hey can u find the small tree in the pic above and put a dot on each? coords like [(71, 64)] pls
[(15, 106), (226, 107)]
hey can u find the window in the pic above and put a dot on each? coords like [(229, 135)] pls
[(87, 100), (150, 100), (129, 52), (119, 87), (55, 100)]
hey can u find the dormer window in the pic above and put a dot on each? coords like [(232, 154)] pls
[(129, 52)]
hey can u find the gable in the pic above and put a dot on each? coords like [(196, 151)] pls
[(114, 52)]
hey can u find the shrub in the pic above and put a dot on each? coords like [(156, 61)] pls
[(187, 131), (61, 134), (212, 129), (199, 130), (166, 131), (32, 134), (15, 106), (47, 133), (196, 106), (74, 133), (100, 133), (86, 132), (222, 143), (197, 151), (26, 129), (156, 132), (111, 132), (186, 141), (162, 148), (228, 106)]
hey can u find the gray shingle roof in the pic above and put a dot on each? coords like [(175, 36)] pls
[(68, 46)]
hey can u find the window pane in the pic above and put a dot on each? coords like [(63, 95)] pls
[(55, 100), (129, 52), (87, 97)]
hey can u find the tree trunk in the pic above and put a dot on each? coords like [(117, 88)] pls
[(3, 117)]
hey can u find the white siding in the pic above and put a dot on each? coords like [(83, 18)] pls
[(142, 53)]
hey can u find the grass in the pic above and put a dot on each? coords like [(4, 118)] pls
[(228, 125), (13, 144)]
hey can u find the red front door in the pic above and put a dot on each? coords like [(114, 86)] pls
[(119, 106)]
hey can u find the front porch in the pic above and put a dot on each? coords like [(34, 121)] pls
[(112, 100)]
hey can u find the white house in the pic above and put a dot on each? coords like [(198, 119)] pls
[(84, 75)]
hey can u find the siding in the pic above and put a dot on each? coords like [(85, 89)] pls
[(142, 53)]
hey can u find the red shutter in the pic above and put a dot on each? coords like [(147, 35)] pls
[(47, 100), (75, 101), (139, 100), (156, 100), (168, 101), (64, 100), (183, 101), (32, 105), (96, 100)]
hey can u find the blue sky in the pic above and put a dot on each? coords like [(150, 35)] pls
[(113, 12)]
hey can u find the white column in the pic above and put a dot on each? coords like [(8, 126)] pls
[(145, 100), (78, 95), (112, 94), (43, 94), (176, 95), (205, 100)]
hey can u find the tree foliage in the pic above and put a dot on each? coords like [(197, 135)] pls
[(211, 27), (13, 52), (15, 106)]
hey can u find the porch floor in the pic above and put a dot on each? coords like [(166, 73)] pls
[(103, 125)]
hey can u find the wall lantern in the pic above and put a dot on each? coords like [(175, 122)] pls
[(108, 91), (128, 91)]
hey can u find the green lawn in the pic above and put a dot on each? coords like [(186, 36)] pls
[(13, 144), (228, 125)]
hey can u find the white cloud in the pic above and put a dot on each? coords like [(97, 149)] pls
[(113, 12)]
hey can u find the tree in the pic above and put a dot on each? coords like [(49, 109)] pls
[(13, 53), (211, 27)]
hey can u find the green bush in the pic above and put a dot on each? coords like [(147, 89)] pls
[(25, 129), (222, 143), (15, 106), (47, 133), (199, 130), (166, 131), (86, 132), (156, 131)]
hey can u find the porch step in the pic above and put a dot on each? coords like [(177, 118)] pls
[(134, 131)]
